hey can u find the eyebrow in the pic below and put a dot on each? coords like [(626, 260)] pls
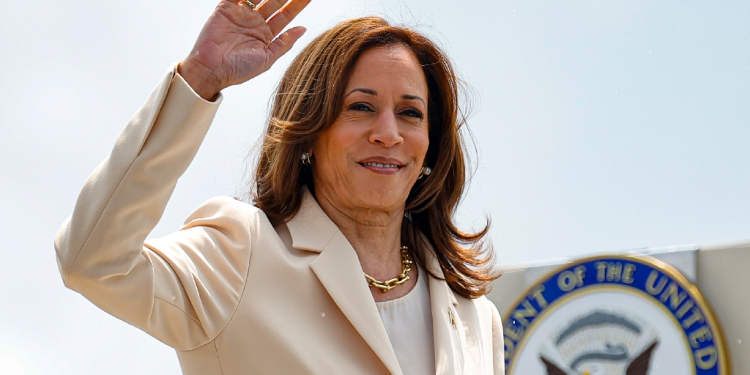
[(375, 93), (413, 97)]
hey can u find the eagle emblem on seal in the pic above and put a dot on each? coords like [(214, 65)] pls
[(601, 343)]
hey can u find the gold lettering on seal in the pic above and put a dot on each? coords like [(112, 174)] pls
[(615, 271), (651, 286), (539, 297), (627, 275), (528, 312), (695, 317), (706, 358), (601, 269), (684, 309), (510, 347), (671, 294), (569, 280), (515, 332), (701, 334)]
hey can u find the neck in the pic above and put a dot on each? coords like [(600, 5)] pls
[(373, 233)]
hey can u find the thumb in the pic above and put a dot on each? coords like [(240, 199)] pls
[(285, 41)]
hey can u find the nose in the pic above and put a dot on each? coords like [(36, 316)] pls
[(385, 130)]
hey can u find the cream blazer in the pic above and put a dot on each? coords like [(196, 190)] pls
[(231, 293)]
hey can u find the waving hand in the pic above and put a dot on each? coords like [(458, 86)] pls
[(239, 42)]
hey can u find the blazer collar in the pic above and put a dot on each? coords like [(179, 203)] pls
[(310, 228), (447, 327), (338, 269)]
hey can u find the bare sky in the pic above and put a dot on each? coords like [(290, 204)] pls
[(601, 125)]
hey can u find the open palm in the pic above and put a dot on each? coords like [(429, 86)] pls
[(238, 43)]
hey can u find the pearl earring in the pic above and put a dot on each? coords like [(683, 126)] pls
[(305, 158), (424, 172)]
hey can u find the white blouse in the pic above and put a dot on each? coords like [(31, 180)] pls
[(408, 321)]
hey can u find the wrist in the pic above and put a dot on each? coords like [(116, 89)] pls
[(203, 83)]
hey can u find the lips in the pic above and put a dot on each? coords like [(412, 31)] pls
[(382, 165), (378, 165), (381, 162)]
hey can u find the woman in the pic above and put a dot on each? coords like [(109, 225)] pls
[(323, 274)]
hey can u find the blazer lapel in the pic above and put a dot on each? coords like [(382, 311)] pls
[(338, 269), (447, 327)]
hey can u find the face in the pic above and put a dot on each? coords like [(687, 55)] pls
[(371, 156)]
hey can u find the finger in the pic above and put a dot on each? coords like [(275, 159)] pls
[(285, 15), (269, 7), (286, 41)]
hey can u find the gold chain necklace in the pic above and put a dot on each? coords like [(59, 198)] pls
[(387, 285)]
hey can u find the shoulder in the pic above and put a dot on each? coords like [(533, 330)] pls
[(227, 213), (486, 312), (491, 309), (491, 317), (487, 304), (492, 330), (483, 305), (224, 206), (215, 229)]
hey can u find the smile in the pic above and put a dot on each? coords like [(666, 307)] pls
[(378, 165)]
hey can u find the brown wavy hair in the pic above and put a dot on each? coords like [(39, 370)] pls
[(309, 99)]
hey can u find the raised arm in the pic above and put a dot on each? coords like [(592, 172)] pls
[(182, 289)]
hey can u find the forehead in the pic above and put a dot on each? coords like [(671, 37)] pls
[(395, 66)]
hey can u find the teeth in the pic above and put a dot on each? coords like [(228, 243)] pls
[(378, 165)]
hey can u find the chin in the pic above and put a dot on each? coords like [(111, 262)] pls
[(382, 197)]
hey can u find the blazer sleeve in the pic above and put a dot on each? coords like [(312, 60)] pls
[(498, 348), (181, 289)]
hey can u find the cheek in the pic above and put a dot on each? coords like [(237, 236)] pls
[(341, 141), (332, 148), (421, 143), (331, 158)]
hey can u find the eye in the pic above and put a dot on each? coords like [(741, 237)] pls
[(360, 107), (412, 113)]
